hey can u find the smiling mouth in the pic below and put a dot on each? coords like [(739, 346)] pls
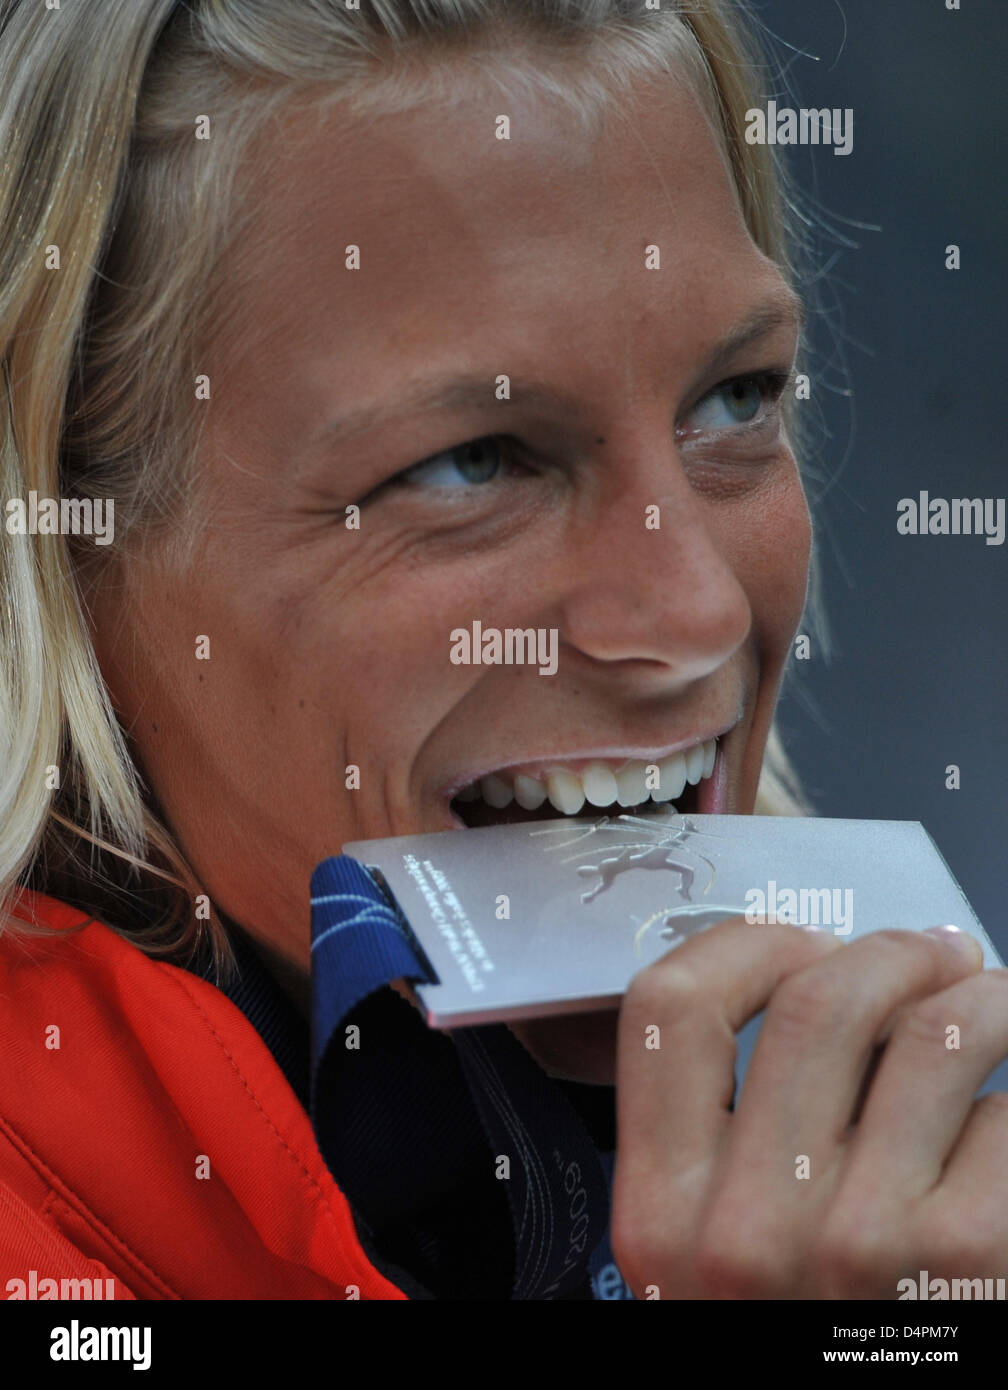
[(617, 787)]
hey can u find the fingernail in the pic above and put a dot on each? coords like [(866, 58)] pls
[(956, 940)]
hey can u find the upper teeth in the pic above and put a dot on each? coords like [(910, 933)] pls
[(599, 784)]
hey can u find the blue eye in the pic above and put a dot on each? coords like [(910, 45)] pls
[(736, 402), (480, 461)]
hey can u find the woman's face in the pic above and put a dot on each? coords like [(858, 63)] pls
[(329, 647)]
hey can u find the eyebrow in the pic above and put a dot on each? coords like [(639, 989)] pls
[(467, 391), (785, 310)]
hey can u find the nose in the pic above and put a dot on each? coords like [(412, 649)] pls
[(664, 596)]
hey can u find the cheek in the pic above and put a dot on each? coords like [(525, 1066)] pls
[(772, 544)]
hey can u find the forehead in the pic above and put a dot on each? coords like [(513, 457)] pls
[(506, 250)]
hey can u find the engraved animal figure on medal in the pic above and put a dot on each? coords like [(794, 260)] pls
[(663, 841)]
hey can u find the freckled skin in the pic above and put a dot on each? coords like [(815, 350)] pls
[(329, 645)]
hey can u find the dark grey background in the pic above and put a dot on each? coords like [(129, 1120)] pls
[(918, 675)]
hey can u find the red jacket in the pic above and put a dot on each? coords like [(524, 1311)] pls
[(157, 1080)]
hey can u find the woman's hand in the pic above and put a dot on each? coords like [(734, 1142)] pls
[(712, 1204)]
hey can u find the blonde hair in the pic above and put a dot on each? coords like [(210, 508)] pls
[(98, 104)]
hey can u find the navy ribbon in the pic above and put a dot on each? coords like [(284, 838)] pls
[(555, 1184)]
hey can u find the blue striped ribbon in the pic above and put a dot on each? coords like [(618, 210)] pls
[(555, 1184)]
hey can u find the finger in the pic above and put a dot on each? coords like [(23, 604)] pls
[(972, 1195), (806, 1075), (816, 1043), (673, 1098), (940, 1053), (783, 1152)]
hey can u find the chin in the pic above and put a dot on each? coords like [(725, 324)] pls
[(573, 1047)]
